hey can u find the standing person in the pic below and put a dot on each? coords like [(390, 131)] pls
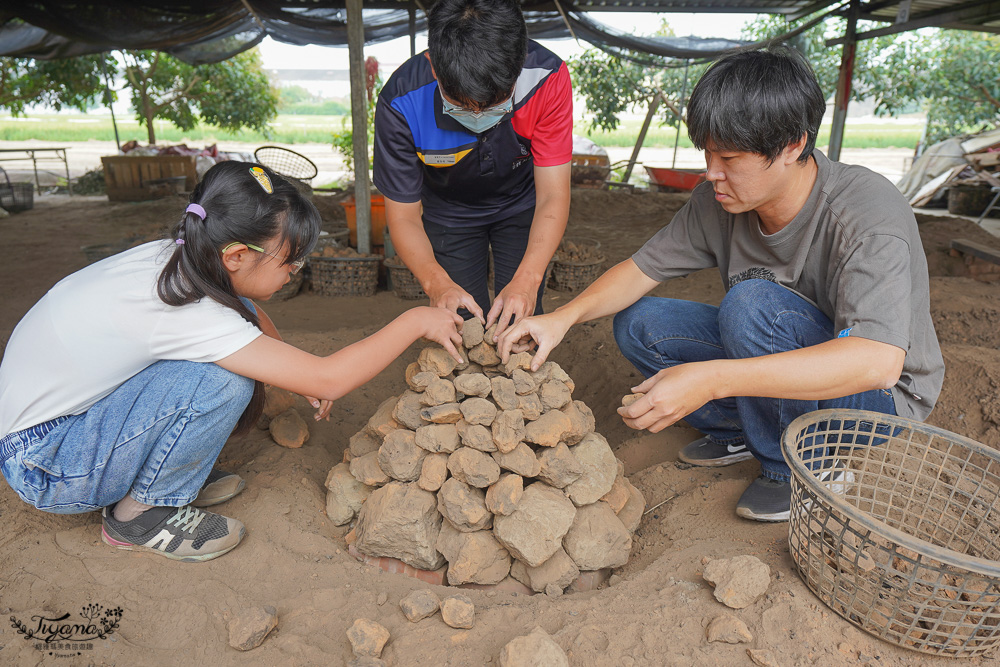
[(827, 297), (473, 142), (119, 387)]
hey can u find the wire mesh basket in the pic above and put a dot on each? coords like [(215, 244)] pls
[(577, 263), (290, 289), (344, 276), (404, 283), (16, 197), (895, 525), (287, 162)]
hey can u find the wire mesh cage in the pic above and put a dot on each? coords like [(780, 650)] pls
[(16, 197), (287, 162), (404, 283), (345, 276), (894, 525), (577, 263)]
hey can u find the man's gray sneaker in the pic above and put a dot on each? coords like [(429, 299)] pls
[(705, 452), (181, 533), (768, 500), (765, 500), (218, 488)]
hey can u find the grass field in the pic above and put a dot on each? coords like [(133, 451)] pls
[(292, 129)]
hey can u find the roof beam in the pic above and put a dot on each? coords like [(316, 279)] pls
[(809, 9), (970, 13)]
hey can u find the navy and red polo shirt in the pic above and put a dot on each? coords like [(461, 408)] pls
[(464, 178)]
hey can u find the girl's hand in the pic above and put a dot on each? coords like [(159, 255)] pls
[(440, 326), (322, 408)]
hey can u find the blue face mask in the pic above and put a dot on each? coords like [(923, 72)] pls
[(478, 122)]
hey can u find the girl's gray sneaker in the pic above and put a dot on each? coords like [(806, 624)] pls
[(186, 533)]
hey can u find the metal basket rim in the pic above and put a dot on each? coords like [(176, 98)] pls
[(804, 476)]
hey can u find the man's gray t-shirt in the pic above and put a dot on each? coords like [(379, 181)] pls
[(852, 251)]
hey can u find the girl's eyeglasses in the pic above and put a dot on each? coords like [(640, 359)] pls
[(296, 265)]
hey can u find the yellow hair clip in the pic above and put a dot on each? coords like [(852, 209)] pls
[(261, 177)]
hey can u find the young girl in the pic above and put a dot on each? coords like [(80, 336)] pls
[(120, 386)]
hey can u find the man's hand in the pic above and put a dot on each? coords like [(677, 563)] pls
[(450, 296), (441, 326), (670, 395), (516, 300), (546, 331)]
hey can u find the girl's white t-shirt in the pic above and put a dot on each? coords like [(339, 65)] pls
[(97, 328)]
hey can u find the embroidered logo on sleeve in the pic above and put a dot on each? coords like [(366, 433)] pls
[(844, 333)]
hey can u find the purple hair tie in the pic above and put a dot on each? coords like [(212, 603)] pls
[(179, 241), (197, 210)]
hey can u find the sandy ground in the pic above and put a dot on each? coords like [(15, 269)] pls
[(654, 610)]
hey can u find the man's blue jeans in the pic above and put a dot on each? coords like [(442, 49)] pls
[(155, 437), (756, 318)]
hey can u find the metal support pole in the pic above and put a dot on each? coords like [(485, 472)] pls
[(359, 124), (413, 29), (844, 81), (680, 112), (653, 105)]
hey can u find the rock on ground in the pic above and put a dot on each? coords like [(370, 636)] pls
[(728, 629), (367, 638), (433, 472), (597, 539), (438, 438), (476, 436), (399, 457), (558, 466), (548, 429), (289, 429), (520, 460), (458, 611), (534, 531), (249, 627), (738, 581), (503, 496), (473, 558), (631, 513), (473, 467), (464, 506), (762, 657), (276, 401), (559, 570), (472, 333), (345, 494), (536, 649), (366, 470), (474, 384), (401, 521), (364, 442), (436, 360), (600, 467), (418, 605)]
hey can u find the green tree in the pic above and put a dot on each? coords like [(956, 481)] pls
[(952, 74), (611, 85), (72, 82), (233, 94)]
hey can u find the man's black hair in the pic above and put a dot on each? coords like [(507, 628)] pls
[(477, 48), (757, 102)]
